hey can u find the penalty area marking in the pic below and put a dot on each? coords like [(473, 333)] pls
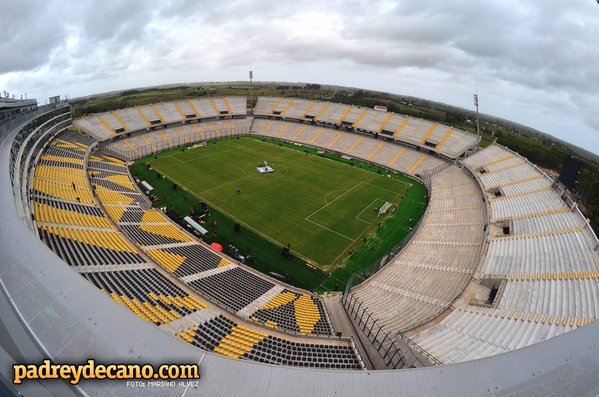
[(357, 217), (337, 198), (326, 205), (368, 207), (326, 197), (330, 230)]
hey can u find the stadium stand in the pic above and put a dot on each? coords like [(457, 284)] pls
[(387, 154), (11, 108), (229, 339), (146, 293), (290, 310), (432, 271), (229, 285), (542, 259), (457, 222), (518, 196), (82, 236), (146, 144), (47, 310), (108, 125), (187, 259), (424, 134), (233, 288), (429, 284), (66, 215)]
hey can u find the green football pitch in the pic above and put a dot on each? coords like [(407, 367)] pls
[(319, 207)]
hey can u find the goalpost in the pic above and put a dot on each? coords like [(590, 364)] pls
[(383, 210)]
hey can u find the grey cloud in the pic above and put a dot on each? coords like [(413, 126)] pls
[(552, 42), (31, 30), (518, 52)]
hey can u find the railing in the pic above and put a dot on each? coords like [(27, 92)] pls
[(353, 345), (16, 110), (383, 342), (397, 351), (31, 135), (427, 175), (413, 346), (588, 225), (27, 125), (9, 124)]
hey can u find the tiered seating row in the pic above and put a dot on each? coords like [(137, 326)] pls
[(440, 138), (234, 288), (227, 338), (434, 268), (523, 206), (148, 235), (147, 293), (575, 298), (468, 335), (491, 155), (82, 236), (110, 124), (146, 144), (565, 220), (292, 311), (80, 248), (545, 255), (567, 253), (186, 260), (387, 154), (55, 150), (50, 214)]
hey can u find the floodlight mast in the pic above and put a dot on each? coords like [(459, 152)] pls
[(477, 120), (251, 100)]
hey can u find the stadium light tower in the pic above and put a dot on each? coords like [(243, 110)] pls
[(477, 120), (251, 101)]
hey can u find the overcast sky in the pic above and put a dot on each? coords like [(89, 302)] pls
[(535, 61)]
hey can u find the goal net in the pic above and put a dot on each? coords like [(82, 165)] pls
[(383, 210)]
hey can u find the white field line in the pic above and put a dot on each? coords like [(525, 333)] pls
[(241, 147), (223, 184), (367, 207), (361, 234), (326, 200), (341, 195), (331, 230), (264, 236), (272, 240), (395, 194)]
